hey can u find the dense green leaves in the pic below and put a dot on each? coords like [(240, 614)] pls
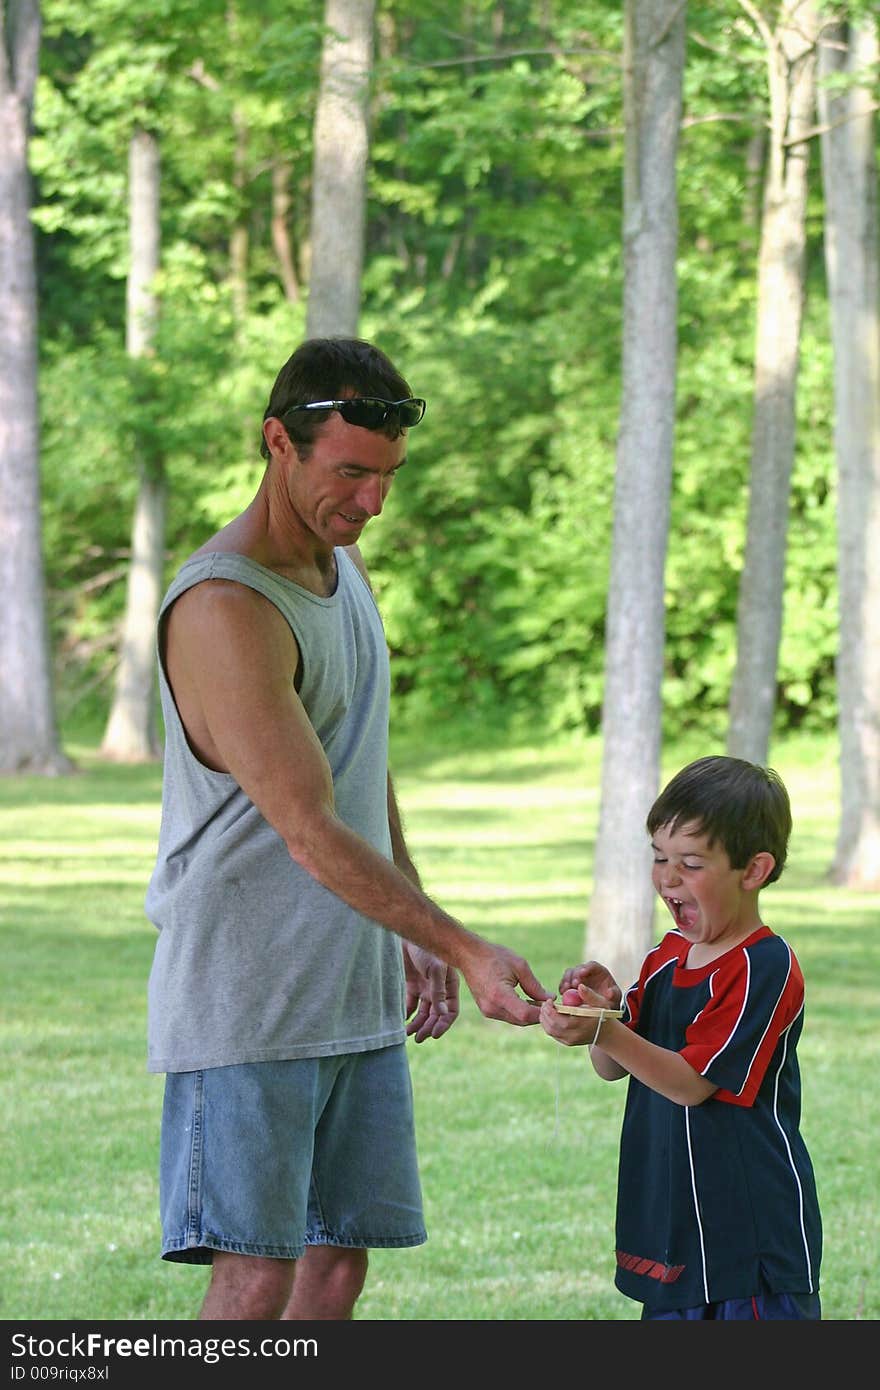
[(493, 277)]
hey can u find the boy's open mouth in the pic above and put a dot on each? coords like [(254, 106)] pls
[(684, 913)]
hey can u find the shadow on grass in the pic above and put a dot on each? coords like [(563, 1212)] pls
[(93, 783)]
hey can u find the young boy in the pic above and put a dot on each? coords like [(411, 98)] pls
[(717, 1213)]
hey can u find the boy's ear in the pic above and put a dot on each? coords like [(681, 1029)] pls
[(758, 869)]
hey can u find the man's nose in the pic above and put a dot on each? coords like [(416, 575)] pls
[(371, 495)]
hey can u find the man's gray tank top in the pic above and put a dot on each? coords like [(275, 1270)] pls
[(255, 960)]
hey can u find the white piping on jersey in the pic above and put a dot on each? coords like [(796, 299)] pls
[(633, 989), (665, 966), (794, 1170), (687, 1130)]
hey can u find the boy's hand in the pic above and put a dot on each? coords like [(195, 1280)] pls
[(573, 1030), (595, 977)]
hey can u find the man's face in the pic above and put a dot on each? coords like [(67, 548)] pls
[(345, 479)]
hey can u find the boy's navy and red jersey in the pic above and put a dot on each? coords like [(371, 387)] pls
[(718, 1201)]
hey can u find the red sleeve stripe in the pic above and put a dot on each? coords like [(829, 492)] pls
[(778, 1020), (776, 1026)]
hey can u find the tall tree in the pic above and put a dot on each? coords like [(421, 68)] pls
[(791, 69), (28, 734), (339, 170), (130, 735), (281, 239), (848, 55), (621, 908)]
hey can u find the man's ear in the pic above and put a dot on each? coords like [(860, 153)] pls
[(275, 435), (758, 869)]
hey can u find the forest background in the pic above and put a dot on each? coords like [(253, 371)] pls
[(492, 273)]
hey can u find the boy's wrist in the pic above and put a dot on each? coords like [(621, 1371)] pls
[(602, 1021)]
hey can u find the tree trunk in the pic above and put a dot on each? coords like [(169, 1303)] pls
[(339, 171), (28, 734), (281, 238), (130, 735), (239, 241), (239, 254), (849, 172), (791, 58), (619, 928)]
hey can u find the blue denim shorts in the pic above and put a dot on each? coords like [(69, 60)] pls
[(267, 1158)]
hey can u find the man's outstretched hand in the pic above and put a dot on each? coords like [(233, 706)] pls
[(493, 974)]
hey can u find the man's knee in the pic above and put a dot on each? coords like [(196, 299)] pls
[(345, 1273), (248, 1286), (328, 1282)]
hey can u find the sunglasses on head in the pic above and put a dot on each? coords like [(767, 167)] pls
[(369, 411)]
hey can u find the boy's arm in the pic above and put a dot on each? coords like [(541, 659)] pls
[(616, 1051), (605, 1066), (619, 1051)]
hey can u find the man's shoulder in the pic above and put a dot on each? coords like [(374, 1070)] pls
[(221, 593), (220, 598), (213, 578)]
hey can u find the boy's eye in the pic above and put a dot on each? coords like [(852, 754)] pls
[(691, 866), (658, 860)]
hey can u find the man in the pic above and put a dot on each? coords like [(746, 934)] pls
[(294, 938)]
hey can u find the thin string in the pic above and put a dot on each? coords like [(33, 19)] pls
[(557, 1086)]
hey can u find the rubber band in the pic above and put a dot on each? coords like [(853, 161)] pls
[(599, 1021)]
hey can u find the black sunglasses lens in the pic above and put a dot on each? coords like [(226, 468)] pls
[(368, 414), (410, 412), (371, 414)]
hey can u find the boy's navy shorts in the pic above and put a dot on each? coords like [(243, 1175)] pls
[(762, 1307)]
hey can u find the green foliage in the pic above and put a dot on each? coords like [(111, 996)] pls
[(492, 276)]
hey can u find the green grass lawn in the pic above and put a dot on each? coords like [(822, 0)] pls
[(517, 1137)]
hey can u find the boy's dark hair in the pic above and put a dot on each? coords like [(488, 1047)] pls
[(741, 806), (327, 369)]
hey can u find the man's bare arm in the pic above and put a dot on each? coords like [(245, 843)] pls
[(234, 656)]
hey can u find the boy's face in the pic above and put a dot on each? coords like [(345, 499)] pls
[(709, 901)]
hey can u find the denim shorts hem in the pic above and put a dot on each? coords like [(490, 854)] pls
[(366, 1242), (183, 1252), (189, 1251)]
